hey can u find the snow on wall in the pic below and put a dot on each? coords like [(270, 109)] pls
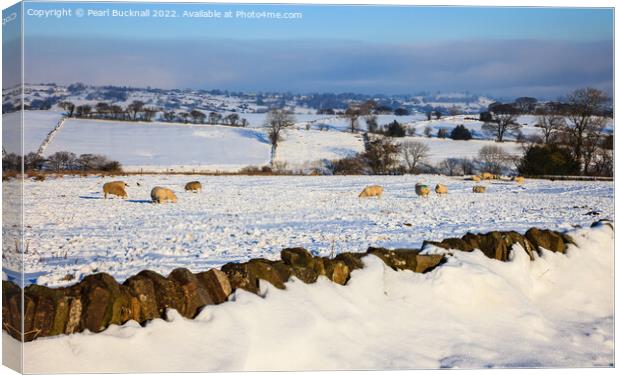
[(472, 312)]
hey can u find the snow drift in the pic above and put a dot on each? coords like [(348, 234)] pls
[(471, 312)]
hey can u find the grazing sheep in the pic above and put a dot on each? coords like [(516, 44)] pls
[(422, 190), (519, 179), (193, 186), (161, 195), (371, 191), (479, 189), (441, 189), (115, 188), (475, 178)]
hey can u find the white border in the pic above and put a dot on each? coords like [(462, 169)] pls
[(488, 3)]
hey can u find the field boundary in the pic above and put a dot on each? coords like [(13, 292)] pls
[(50, 136), (98, 300)]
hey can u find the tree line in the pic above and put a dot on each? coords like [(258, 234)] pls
[(140, 111), (58, 162), (384, 156), (573, 140), (574, 137)]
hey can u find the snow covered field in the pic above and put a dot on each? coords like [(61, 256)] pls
[(37, 125), (72, 230), (166, 147), (157, 147), (162, 146), (472, 312)]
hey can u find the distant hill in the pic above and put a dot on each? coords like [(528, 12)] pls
[(47, 96)]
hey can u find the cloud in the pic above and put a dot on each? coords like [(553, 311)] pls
[(495, 67)]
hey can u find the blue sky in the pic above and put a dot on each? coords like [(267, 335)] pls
[(368, 49)]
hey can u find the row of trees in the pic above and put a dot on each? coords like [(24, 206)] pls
[(60, 161), (139, 111), (574, 129), (369, 110), (383, 155)]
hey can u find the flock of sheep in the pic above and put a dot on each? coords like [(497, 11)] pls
[(158, 194), (423, 190), (163, 195)]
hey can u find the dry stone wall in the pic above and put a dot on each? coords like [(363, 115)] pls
[(98, 300)]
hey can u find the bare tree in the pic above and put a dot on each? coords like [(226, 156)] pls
[(368, 107), (450, 166), (503, 121), (353, 113), (414, 153), (550, 123), (32, 161), (83, 110), (149, 113), (169, 116), (467, 166), (102, 109), (494, 159), (135, 108), (184, 117), (232, 119), (277, 120), (67, 106), (61, 160), (371, 123), (525, 104), (603, 161), (214, 118), (198, 116), (117, 112), (583, 120)]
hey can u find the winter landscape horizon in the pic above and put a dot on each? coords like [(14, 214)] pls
[(254, 187)]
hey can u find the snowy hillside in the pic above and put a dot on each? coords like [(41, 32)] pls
[(209, 148), (46, 96), (165, 146), (162, 146), (472, 312), (158, 147), (37, 125)]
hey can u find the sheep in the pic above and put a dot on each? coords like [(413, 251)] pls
[(519, 179), (195, 186), (441, 189), (161, 195), (488, 176), (371, 191), (115, 188), (479, 189), (422, 190)]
